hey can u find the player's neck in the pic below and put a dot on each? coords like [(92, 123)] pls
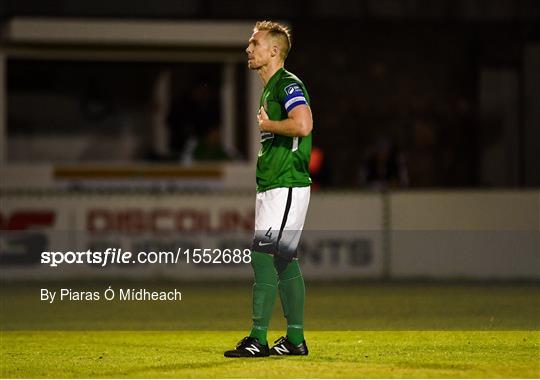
[(268, 71)]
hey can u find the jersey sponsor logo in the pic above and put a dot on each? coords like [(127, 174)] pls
[(281, 349), (261, 244), (266, 136), (253, 349)]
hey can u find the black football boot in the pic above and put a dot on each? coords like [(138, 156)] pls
[(248, 347), (285, 347)]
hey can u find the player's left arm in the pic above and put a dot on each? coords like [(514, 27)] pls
[(299, 122)]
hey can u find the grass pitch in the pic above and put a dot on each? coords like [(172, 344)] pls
[(375, 330), (337, 354)]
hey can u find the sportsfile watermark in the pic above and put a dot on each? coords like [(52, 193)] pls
[(69, 289), (115, 256)]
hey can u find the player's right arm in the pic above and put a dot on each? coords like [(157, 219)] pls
[(299, 122)]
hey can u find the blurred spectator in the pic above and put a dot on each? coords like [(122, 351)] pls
[(424, 154), (210, 147), (192, 119), (385, 167)]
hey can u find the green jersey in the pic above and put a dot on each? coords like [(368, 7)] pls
[(283, 161)]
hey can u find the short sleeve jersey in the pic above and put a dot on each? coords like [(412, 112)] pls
[(283, 161)]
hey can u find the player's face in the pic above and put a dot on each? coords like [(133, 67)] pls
[(259, 50)]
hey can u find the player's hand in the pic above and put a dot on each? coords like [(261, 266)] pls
[(261, 117)]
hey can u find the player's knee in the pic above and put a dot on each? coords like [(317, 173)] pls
[(280, 263)]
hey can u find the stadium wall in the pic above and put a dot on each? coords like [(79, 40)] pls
[(349, 247), (348, 235), (481, 235)]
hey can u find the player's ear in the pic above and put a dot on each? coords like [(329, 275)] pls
[(275, 50)]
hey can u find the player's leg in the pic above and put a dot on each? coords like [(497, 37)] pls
[(291, 282), (264, 294), (269, 213), (264, 297), (292, 295), (269, 210)]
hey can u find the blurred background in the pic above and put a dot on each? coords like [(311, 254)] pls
[(133, 124), (406, 93)]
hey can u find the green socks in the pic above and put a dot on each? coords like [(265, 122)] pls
[(264, 294), (291, 290)]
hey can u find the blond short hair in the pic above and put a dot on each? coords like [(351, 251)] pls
[(278, 31)]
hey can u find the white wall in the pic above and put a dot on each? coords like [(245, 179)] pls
[(484, 235), (348, 235)]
